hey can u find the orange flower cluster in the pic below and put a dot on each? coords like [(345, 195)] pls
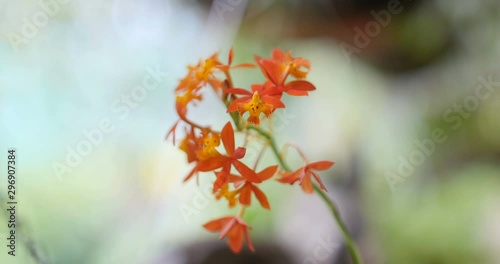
[(235, 181)]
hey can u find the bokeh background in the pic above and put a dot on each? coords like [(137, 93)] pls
[(380, 98)]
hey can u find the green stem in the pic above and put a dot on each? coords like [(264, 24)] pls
[(351, 246), (349, 241), (235, 116)]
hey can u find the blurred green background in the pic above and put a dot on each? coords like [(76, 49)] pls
[(390, 75)]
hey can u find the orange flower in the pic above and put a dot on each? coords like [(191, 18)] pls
[(234, 228), (202, 149), (207, 70), (276, 70), (201, 74), (189, 82), (303, 175), (205, 73), (190, 145), (297, 67), (205, 166), (263, 99), (209, 141), (187, 97), (245, 192), (232, 158), (224, 192)]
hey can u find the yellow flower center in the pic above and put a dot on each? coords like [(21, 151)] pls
[(229, 195), (187, 97), (210, 143), (205, 70), (255, 107)]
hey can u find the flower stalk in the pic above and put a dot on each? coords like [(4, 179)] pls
[(349, 241), (236, 181)]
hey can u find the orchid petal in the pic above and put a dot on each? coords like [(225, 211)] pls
[(227, 136), (261, 197), (320, 165), (267, 172)]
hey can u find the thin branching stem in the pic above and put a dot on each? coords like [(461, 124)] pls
[(349, 241)]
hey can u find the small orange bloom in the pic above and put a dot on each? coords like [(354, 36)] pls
[(277, 71), (249, 187), (232, 158), (202, 150), (297, 67), (189, 96), (230, 196), (303, 175), (234, 228), (205, 69), (189, 81), (209, 141), (181, 104), (262, 99), (206, 166), (190, 145), (201, 74)]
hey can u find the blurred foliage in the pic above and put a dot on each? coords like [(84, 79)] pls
[(441, 223)]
